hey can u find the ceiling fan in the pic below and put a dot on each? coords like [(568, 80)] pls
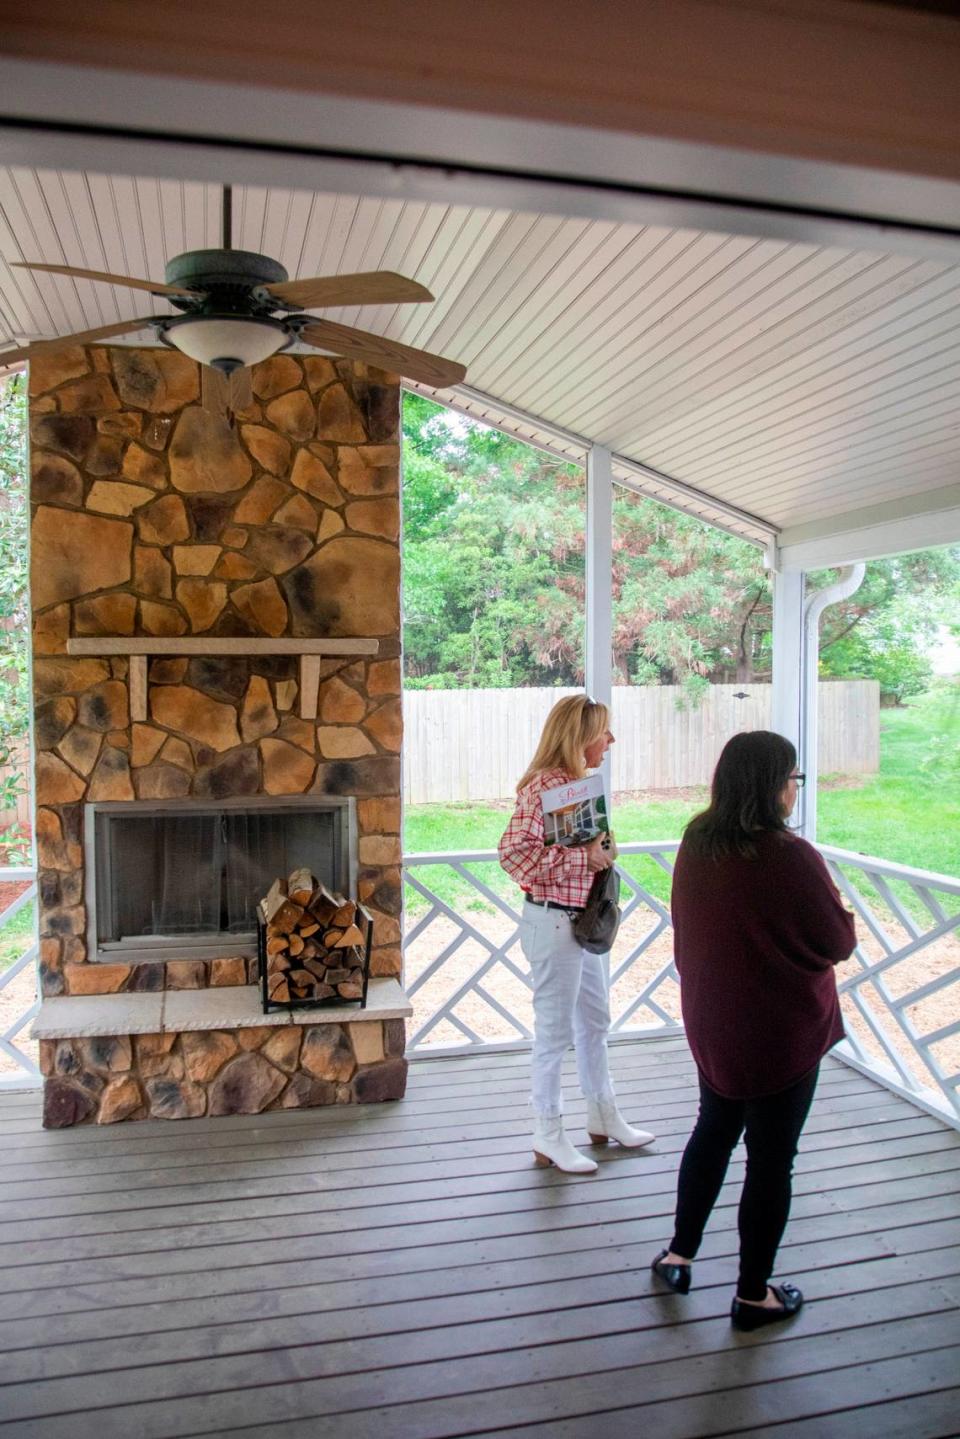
[(238, 308)]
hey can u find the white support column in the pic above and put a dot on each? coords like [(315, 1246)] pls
[(787, 641), (787, 710), (598, 648), (598, 654)]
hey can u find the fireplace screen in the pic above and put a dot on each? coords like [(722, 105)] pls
[(191, 878)]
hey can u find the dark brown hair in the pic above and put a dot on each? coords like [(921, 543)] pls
[(745, 796)]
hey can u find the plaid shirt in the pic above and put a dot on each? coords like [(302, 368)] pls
[(554, 873)]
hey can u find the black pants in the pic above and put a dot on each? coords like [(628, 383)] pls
[(771, 1127)]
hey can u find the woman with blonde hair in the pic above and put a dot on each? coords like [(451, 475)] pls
[(570, 999)]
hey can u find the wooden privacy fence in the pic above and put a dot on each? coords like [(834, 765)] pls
[(474, 744), (17, 817)]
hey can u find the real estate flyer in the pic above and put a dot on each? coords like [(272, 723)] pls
[(575, 813)]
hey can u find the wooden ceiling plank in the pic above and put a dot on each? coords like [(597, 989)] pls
[(62, 296), (675, 272), (829, 423), (710, 322), (464, 298), (460, 246), (864, 358), (561, 259), (508, 270), (569, 324), (735, 336), (863, 434)]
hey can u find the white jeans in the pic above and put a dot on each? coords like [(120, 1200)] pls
[(570, 1005)]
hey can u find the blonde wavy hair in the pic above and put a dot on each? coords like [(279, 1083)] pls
[(571, 726)]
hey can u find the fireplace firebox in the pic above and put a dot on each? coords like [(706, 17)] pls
[(181, 880)]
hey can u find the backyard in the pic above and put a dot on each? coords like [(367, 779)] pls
[(909, 812)]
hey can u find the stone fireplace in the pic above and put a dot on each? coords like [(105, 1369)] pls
[(228, 550), (184, 877)]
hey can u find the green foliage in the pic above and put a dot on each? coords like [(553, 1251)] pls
[(493, 557), (494, 571), (886, 628), (14, 610), (17, 934), (910, 811), (494, 581)]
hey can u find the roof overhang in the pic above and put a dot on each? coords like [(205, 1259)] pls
[(820, 455)]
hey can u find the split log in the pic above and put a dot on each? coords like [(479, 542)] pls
[(348, 937), (274, 899), (300, 886)]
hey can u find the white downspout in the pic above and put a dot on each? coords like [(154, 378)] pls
[(850, 580)]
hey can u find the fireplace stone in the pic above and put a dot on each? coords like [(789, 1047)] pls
[(208, 533)]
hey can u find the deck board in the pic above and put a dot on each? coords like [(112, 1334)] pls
[(468, 1293)]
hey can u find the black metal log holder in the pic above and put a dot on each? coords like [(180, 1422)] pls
[(330, 1001)]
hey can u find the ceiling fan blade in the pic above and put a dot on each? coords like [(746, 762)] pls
[(385, 354), (375, 287), (241, 389), (215, 391), (82, 337), (154, 286)]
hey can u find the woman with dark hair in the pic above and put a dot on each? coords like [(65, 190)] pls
[(758, 926)]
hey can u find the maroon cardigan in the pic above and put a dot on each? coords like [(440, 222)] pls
[(756, 941)]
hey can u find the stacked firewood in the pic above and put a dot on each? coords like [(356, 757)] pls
[(313, 941)]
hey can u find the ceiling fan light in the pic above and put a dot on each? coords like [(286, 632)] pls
[(226, 343)]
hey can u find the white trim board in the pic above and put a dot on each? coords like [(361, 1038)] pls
[(915, 522), (395, 150)]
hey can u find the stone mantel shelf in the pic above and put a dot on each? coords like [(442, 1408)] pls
[(172, 1011), (140, 647)]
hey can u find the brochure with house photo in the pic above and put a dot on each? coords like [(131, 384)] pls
[(575, 813)]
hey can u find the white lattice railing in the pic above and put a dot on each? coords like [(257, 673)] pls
[(18, 989), (464, 971), (900, 991)]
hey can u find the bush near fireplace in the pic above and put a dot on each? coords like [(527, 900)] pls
[(154, 519)]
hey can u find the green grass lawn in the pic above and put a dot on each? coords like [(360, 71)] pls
[(909, 812), (16, 935)]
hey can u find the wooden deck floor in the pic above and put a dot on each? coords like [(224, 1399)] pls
[(404, 1272)]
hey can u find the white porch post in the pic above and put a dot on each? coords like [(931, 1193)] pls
[(598, 646), (848, 582), (787, 711)]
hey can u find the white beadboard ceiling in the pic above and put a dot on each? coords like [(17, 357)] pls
[(786, 381)]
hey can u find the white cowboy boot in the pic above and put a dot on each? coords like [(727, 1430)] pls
[(551, 1146), (604, 1121)]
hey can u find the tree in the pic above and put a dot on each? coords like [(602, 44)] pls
[(14, 586), (885, 630), (494, 580), (493, 557)]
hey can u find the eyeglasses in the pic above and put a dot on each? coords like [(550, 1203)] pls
[(799, 779)]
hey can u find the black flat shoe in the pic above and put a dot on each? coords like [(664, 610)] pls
[(751, 1316), (676, 1275)]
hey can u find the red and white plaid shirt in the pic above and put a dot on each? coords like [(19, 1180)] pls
[(556, 873)]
